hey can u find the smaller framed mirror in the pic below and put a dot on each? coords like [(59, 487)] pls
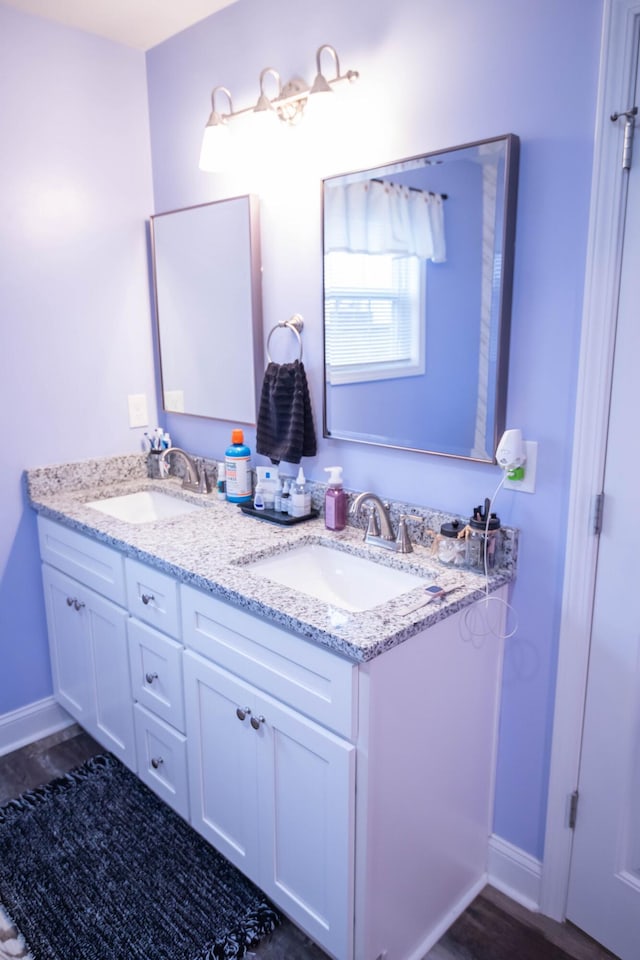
[(208, 303), (418, 268)]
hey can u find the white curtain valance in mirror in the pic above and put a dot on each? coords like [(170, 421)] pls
[(376, 216)]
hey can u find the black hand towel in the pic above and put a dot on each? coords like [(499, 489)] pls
[(285, 419)]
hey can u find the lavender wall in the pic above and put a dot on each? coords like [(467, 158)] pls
[(434, 73), (74, 310)]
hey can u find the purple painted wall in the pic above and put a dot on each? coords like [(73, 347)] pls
[(433, 74), (75, 336)]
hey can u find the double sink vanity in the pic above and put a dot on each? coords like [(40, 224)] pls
[(287, 691)]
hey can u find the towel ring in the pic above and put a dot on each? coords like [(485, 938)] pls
[(295, 324)]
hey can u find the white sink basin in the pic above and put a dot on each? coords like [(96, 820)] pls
[(146, 506), (342, 579)]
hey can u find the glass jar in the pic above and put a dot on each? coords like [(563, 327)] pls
[(479, 531), (450, 549)]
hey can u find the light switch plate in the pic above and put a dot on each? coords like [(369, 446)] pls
[(138, 415), (528, 483)]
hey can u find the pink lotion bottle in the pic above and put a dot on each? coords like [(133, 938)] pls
[(335, 501)]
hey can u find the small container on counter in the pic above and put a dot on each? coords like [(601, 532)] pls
[(482, 529), (450, 545), (221, 482)]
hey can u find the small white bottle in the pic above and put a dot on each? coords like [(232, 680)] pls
[(300, 497)]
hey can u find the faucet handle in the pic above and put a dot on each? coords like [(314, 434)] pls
[(373, 523), (204, 484), (403, 540)]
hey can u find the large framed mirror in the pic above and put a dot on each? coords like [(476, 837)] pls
[(208, 303), (418, 271)]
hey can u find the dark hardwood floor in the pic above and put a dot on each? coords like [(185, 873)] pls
[(492, 928)]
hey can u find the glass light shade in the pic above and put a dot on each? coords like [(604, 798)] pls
[(216, 153)]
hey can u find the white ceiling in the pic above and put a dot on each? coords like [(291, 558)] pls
[(135, 23)]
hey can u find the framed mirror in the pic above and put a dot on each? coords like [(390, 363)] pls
[(208, 302), (418, 269)]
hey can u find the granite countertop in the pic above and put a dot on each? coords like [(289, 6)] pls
[(210, 547)]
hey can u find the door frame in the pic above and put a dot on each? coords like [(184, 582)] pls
[(620, 26)]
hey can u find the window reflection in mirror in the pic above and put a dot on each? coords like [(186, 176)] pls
[(418, 260), (206, 262)]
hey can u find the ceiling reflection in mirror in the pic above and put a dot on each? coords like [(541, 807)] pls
[(418, 268), (207, 280)]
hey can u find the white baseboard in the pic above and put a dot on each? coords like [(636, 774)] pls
[(515, 873), (36, 720)]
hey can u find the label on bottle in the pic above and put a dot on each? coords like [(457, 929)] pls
[(300, 504), (238, 476)]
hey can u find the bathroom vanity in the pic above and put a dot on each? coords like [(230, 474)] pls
[(342, 760)]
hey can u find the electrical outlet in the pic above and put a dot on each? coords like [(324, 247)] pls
[(528, 482), (138, 416)]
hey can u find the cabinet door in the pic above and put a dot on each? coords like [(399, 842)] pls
[(306, 782), (68, 648), (275, 793), (221, 761), (89, 655)]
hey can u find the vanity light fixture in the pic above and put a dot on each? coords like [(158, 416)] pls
[(288, 105)]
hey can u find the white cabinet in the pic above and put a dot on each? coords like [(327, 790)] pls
[(358, 797), (90, 662), (274, 792)]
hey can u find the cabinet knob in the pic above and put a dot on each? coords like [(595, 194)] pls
[(156, 762), (150, 677), (69, 601), (242, 714), (256, 722), (78, 604), (147, 598)]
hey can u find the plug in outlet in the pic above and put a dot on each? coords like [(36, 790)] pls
[(138, 416), (528, 482)]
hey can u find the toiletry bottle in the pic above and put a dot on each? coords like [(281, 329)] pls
[(277, 496), (237, 461), (221, 482), (285, 498), (335, 501), (300, 505), (258, 497)]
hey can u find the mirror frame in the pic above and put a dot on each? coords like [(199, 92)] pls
[(505, 293), (255, 273)]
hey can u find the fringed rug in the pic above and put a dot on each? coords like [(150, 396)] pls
[(94, 867)]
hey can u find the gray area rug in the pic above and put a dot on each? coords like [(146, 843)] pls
[(94, 866)]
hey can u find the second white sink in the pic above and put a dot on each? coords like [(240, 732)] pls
[(343, 579), (145, 506)]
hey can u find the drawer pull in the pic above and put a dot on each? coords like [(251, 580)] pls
[(257, 721), (147, 598), (156, 762), (242, 714), (78, 604), (69, 601), (150, 677)]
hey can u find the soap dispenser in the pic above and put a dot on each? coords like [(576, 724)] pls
[(335, 501)]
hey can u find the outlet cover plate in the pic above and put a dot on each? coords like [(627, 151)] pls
[(138, 414)]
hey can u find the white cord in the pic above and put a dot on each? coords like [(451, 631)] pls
[(472, 613)]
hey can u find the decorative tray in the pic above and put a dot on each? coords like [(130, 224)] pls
[(274, 516)]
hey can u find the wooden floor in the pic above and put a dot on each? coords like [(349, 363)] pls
[(492, 928)]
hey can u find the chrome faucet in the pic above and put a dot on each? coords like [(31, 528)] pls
[(195, 478), (379, 531)]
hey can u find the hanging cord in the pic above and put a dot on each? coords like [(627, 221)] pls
[(476, 621)]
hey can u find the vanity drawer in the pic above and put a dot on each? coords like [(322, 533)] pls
[(152, 596), (162, 759), (92, 563), (156, 672), (308, 678)]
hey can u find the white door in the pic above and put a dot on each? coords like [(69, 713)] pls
[(604, 886)]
